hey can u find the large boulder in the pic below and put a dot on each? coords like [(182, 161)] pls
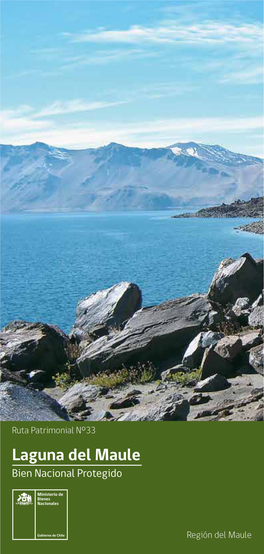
[(78, 395), (236, 279), (250, 339), (152, 334), (194, 353), (110, 308), (29, 346), (22, 404), (213, 363), (229, 347), (256, 358), (171, 408)]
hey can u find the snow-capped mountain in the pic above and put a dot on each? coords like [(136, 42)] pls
[(40, 177), (211, 153)]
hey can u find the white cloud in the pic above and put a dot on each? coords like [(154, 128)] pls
[(170, 32), (74, 106), (154, 133), (248, 76), (101, 57)]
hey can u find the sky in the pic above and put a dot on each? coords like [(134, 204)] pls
[(82, 73)]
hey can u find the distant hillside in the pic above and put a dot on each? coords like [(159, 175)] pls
[(39, 177), (250, 208)]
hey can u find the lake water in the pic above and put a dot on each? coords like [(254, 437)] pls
[(51, 261)]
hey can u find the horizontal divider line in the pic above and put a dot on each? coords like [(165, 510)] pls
[(77, 465)]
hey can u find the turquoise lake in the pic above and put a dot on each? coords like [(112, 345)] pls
[(51, 261)]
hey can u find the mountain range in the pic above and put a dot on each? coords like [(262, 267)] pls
[(39, 177)]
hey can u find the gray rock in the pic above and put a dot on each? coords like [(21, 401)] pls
[(256, 358), (98, 331), (108, 308), (171, 408), (79, 394), (242, 310), (29, 346), (251, 339), (22, 404), (125, 402), (256, 318), (229, 347), (199, 398), (194, 353), (213, 363), (259, 301), (12, 376), (241, 304), (152, 334), (37, 376), (236, 279), (101, 415), (212, 384), (259, 415)]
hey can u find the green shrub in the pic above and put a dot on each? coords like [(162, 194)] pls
[(139, 374), (65, 378), (62, 380), (184, 379)]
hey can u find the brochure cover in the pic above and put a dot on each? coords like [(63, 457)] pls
[(131, 342)]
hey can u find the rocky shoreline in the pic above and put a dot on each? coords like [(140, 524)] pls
[(195, 358), (251, 208), (240, 208), (257, 227)]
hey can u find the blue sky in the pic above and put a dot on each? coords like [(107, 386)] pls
[(85, 73)]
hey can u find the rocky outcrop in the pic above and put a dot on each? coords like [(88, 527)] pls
[(180, 338), (108, 308), (152, 334), (235, 279), (249, 208), (257, 227), (22, 404), (171, 408), (28, 346)]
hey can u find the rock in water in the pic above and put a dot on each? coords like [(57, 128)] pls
[(31, 346), (152, 334), (236, 279), (110, 307), (22, 404)]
